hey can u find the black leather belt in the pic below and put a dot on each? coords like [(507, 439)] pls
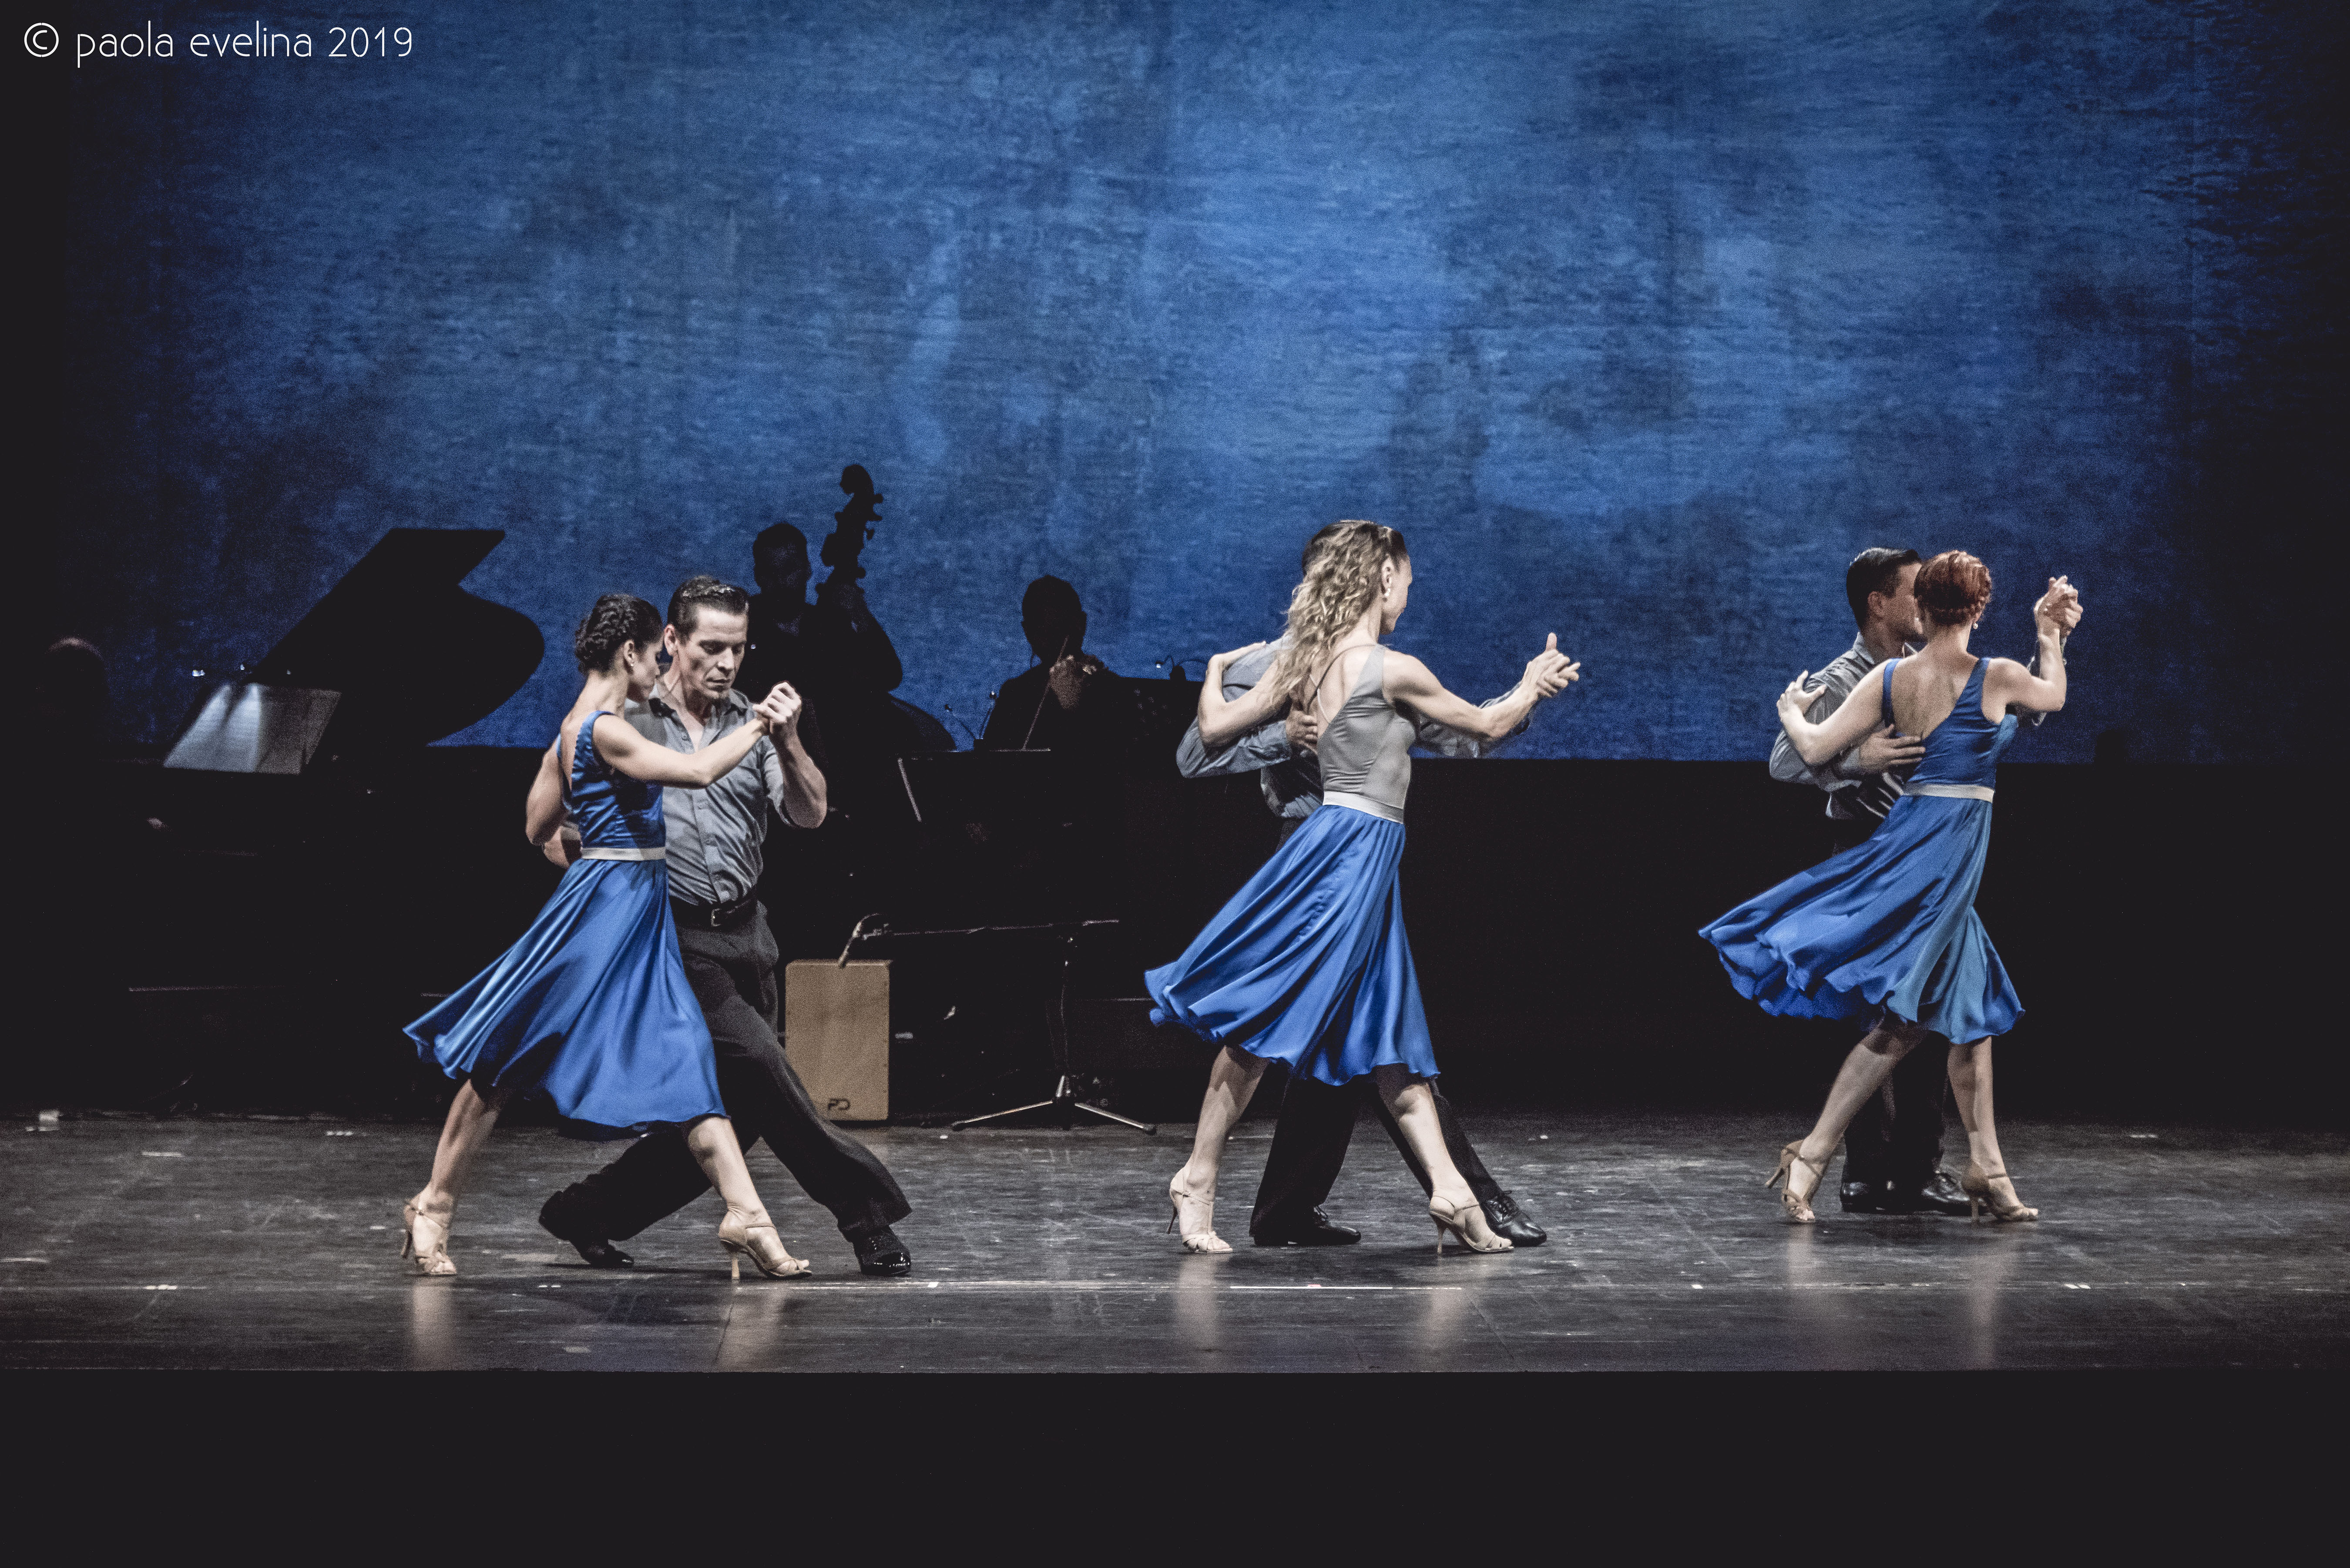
[(714, 917)]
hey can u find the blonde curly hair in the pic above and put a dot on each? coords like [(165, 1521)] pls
[(1342, 581)]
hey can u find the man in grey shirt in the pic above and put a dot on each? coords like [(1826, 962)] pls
[(730, 956), (1862, 783), (1316, 1120)]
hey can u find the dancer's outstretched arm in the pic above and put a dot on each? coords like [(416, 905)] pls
[(648, 762), (1444, 740), (2007, 684), (1548, 673)]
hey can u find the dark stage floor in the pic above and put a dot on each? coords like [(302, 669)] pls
[(224, 1243)]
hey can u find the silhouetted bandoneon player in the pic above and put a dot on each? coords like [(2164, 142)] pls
[(714, 839)]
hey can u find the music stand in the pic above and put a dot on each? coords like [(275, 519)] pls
[(1016, 792), (1066, 1097)]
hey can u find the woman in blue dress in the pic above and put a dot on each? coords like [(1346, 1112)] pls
[(1308, 964), (1888, 928), (591, 1008)]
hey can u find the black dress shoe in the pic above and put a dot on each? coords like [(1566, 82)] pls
[(600, 1253), (1510, 1221), (1939, 1195), (1318, 1230), (603, 1254), (882, 1255), (1865, 1198)]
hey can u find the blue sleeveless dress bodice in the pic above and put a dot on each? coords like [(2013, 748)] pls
[(1308, 963), (591, 1008), (613, 811), (1890, 923)]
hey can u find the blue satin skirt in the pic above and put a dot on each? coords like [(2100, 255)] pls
[(1890, 923), (1308, 964), (591, 1009)]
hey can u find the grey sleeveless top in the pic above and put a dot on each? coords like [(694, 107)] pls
[(1365, 750)]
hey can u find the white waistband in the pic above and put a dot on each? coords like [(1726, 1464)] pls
[(632, 852), (1955, 792), (1362, 803)]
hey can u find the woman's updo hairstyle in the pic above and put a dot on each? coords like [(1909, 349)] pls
[(618, 621), (1953, 588)]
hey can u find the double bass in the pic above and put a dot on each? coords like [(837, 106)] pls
[(852, 527)]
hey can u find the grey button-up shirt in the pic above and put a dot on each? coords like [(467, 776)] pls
[(714, 834), (1852, 796), (1290, 779)]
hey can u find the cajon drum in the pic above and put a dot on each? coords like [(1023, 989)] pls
[(837, 1035)]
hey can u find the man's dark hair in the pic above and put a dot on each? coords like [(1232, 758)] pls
[(1873, 571), (775, 539), (703, 592)]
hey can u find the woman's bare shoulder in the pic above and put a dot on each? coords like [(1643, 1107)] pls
[(1405, 667)]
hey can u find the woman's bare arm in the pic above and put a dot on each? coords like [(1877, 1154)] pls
[(1222, 722), (542, 810), (1855, 717), (1410, 683), (629, 752), (2007, 684)]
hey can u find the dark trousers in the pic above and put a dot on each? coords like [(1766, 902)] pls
[(1898, 1134), (1309, 1145), (733, 976)]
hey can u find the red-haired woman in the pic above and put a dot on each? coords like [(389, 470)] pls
[(1890, 926)]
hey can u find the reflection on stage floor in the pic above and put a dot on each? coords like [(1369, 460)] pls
[(252, 1244)]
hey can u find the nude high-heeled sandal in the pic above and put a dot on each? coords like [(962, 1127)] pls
[(1466, 1222), (1798, 1205), (1203, 1240), (1980, 1195), (761, 1243), (432, 1253)]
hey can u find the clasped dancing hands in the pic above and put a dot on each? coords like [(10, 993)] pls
[(2058, 609), (1550, 672), (779, 710)]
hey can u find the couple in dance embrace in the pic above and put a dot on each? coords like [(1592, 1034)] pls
[(602, 1009), (1884, 931), (1308, 963)]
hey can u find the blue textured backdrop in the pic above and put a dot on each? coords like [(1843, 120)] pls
[(1640, 319)]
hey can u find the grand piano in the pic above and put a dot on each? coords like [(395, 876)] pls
[(303, 867), (396, 656)]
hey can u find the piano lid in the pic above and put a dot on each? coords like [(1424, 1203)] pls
[(414, 656)]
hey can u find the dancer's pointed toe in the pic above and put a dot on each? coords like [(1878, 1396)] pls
[(1194, 1219)]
